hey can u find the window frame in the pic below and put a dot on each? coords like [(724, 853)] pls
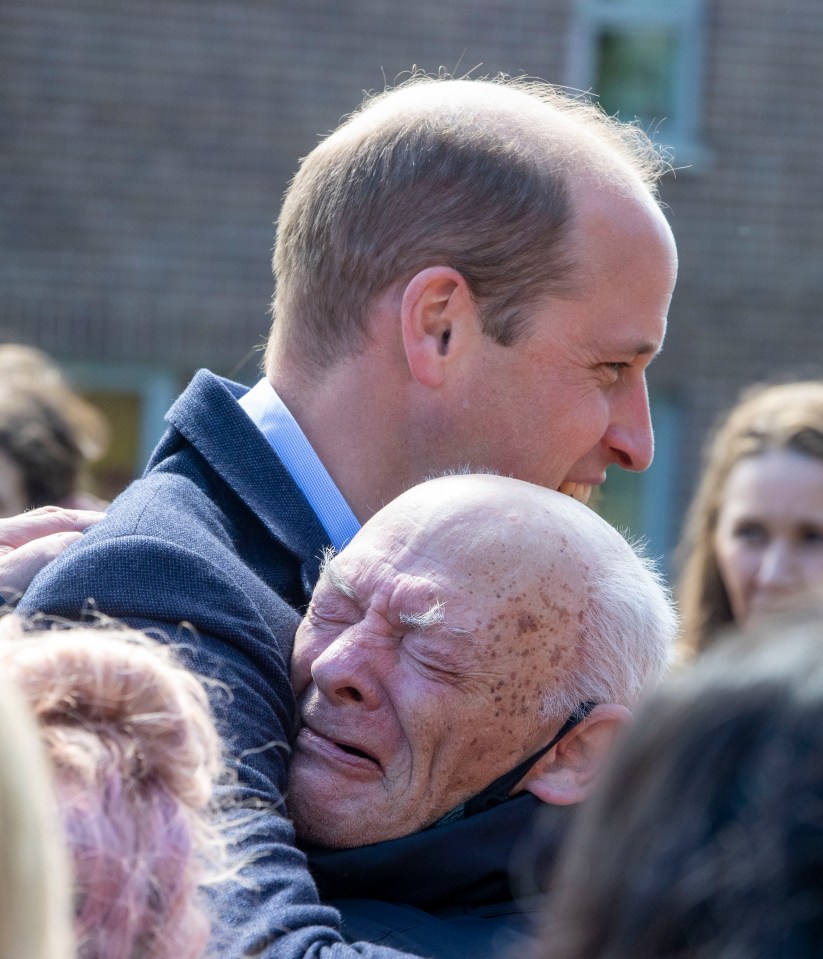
[(590, 18), (155, 388)]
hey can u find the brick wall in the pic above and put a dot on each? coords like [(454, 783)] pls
[(749, 223), (145, 145)]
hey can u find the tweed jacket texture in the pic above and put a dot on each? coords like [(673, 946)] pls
[(216, 550)]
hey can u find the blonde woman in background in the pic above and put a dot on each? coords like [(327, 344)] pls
[(753, 539)]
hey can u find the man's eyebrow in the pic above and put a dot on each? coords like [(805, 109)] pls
[(434, 619), (334, 578), (427, 619)]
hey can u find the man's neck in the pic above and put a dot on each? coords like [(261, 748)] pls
[(353, 427)]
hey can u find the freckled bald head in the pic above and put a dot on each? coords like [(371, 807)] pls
[(549, 574), (465, 622), (504, 531)]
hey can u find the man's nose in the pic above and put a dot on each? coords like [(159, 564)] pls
[(629, 436), (346, 674)]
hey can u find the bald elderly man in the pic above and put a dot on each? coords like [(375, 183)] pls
[(468, 274), (472, 655), (472, 623)]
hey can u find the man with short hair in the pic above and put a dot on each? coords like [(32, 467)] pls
[(469, 274)]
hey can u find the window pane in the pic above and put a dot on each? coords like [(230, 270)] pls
[(118, 466), (635, 73)]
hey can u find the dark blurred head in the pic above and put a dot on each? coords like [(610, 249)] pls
[(705, 838), (47, 432)]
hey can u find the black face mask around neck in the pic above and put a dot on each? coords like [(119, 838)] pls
[(501, 789)]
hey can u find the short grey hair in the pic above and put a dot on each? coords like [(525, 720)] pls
[(626, 638)]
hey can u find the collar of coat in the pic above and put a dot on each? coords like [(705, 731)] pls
[(486, 858)]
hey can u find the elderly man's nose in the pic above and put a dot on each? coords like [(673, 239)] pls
[(344, 675)]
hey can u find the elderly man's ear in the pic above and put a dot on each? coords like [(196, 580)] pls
[(567, 774), (439, 321)]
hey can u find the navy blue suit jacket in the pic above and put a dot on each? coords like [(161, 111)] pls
[(216, 550)]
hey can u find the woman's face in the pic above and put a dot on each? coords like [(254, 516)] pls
[(769, 536)]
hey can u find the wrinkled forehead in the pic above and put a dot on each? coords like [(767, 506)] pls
[(398, 543), (499, 563)]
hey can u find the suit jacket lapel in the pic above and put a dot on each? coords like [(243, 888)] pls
[(208, 416)]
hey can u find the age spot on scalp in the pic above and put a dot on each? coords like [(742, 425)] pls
[(527, 622), (556, 656)]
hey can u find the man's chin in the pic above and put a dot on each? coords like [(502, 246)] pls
[(323, 817), (333, 824), (314, 829), (317, 827)]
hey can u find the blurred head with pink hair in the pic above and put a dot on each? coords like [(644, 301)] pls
[(135, 757)]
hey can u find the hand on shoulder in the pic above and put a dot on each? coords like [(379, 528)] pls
[(31, 540)]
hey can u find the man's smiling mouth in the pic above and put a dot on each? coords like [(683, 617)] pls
[(579, 491)]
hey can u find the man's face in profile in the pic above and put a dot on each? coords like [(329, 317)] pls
[(420, 670), (570, 400)]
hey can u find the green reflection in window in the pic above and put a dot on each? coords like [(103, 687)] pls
[(635, 75), (643, 503)]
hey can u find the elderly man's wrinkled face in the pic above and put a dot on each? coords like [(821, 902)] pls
[(420, 669)]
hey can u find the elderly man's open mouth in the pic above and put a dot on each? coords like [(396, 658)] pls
[(337, 750)]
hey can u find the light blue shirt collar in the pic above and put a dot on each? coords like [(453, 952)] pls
[(270, 415)]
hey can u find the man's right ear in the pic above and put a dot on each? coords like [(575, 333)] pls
[(567, 773), (437, 316)]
